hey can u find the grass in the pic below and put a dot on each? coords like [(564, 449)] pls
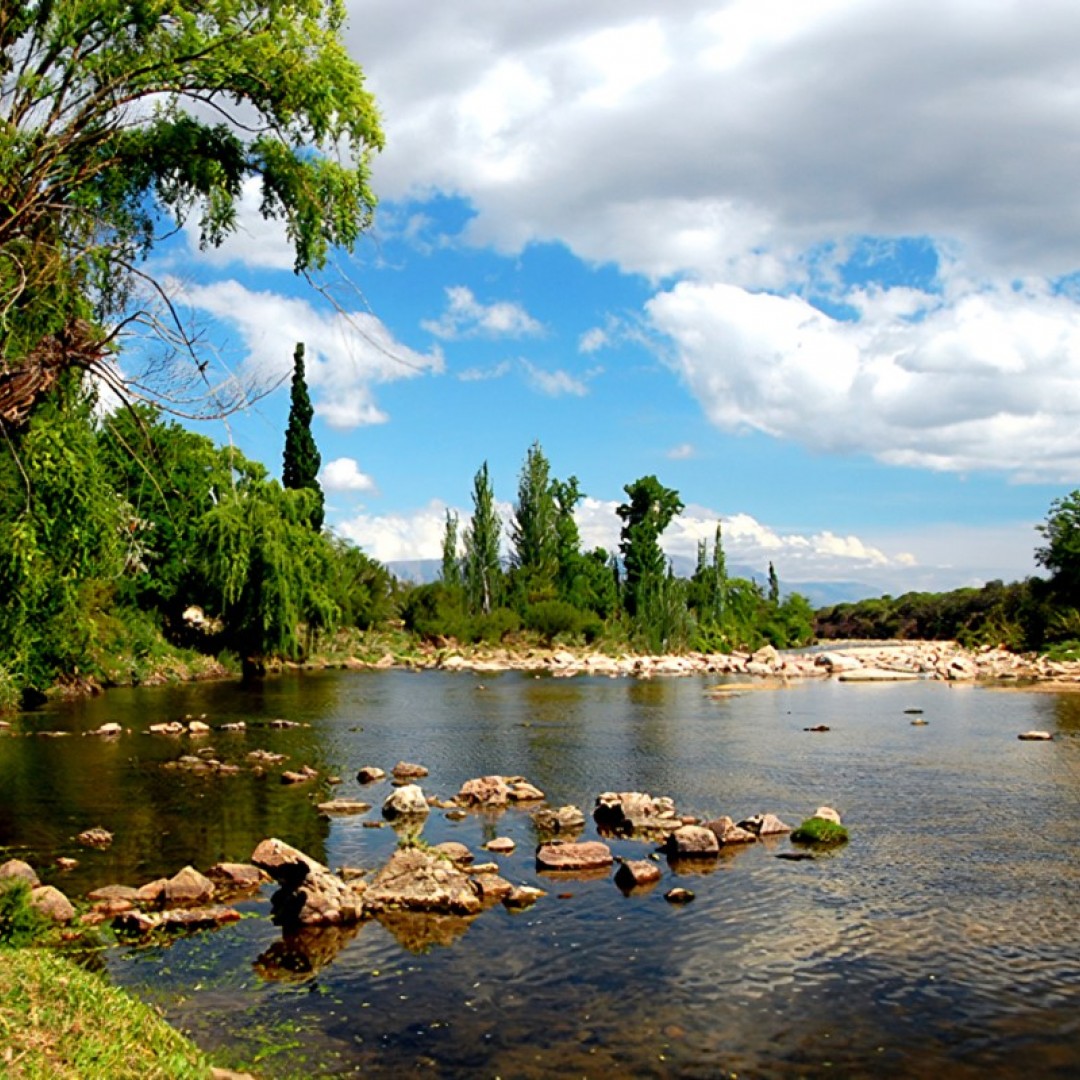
[(60, 1022), (817, 830)]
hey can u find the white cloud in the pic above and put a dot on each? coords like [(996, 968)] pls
[(475, 374), (348, 353), (988, 380), (343, 474), (398, 537), (466, 317), (257, 242), (733, 146), (556, 383), (682, 452)]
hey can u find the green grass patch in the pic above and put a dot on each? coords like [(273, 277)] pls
[(816, 830), (60, 1022)]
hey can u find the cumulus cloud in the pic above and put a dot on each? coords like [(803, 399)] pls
[(343, 474), (399, 537), (695, 137), (257, 242), (466, 317), (989, 380), (348, 353), (742, 148)]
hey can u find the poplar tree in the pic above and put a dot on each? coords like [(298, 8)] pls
[(301, 460), (483, 575), (533, 528), (450, 574)]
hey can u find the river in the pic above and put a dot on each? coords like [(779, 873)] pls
[(944, 939)]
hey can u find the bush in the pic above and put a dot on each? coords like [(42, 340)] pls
[(10, 697), (494, 626), (549, 618), (21, 924)]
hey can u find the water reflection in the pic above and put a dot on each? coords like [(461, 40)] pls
[(941, 940)]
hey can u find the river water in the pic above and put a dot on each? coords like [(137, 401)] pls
[(944, 939)]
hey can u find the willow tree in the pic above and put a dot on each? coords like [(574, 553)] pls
[(268, 575), (119, 120)]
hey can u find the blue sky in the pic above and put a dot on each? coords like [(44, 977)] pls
[(810, 262)]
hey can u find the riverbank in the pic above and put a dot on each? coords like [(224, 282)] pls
[(62, 1022), (848, 661)]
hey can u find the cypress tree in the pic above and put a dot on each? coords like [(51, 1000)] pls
[(301, 461), (483, 574)]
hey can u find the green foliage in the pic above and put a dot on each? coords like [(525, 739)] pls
[(436, 610), (483, 573), (117, 116), (815, 830), (21, 924), (646, 515), (301, 458), (61, 527), (169, 477), (1061, 552), (363, 589), (533, 530), (552, 619), (268, 573), (450, 574)]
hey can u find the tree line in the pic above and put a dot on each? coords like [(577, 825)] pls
[(552, 588)]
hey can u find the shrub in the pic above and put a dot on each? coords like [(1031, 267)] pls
[(20, 922)]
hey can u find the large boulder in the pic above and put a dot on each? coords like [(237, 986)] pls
[(310, 895), (17, 870), (405, 801), (418, 880), (187, 888), (692, 842), (630, 813), (585, 855), (484, 791), (52, 903)]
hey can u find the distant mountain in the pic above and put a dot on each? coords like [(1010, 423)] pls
[(819, 593)]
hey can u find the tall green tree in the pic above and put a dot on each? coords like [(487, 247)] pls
[(301, 458), (483, 572), (120, 119), (535, 554), (450, 571), (566, 494), (646, 514)]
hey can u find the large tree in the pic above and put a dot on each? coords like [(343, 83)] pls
[(1061, 552), (301, 458), (119, 120), (535, 555), (645, 516), (483, 573)]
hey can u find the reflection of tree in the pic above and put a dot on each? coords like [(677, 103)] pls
[(304, 952)]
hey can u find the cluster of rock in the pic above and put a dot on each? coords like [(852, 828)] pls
[(923, 659), (188, 900)]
